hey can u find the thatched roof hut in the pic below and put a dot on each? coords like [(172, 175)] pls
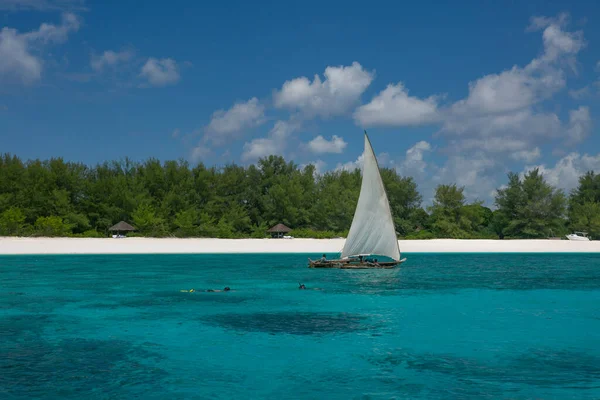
[(121, 227), (278, 230)]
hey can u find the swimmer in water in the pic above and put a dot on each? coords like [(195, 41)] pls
[(302, 286), (227, 289)]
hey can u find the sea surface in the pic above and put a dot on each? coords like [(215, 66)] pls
[(443, 326)]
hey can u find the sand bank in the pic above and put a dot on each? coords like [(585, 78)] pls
[(10, 245)]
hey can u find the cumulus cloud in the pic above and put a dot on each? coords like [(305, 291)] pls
[(557, 42), (351, 165), (318, 164), (274, 144), (19, 52), (160, 72), (567, 170), (199, 153), (580, 124), (413, 163), (228, 124), (393, 106), (528, 156), (110, 58), (581, 93), (336, 95), (469, 172), (322, 145), (502, 112)]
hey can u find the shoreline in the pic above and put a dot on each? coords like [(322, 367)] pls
[(138, 245)]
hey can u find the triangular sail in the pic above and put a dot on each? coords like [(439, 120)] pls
[(372, 230)]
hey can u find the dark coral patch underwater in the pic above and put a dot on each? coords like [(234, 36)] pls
[(294, 323)]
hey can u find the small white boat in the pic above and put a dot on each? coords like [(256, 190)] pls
[(578, 236)]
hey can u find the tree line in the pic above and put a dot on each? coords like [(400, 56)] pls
[(59, 198)]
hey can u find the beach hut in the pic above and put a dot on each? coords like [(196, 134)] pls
[(278, 231), (120, 228)]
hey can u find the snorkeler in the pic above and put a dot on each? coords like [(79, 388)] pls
[(226, 289), (302, 286)]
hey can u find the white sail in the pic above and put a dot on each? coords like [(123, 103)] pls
[(372, 230)]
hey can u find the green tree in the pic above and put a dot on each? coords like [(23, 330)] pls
[(447, 219), (530, 208), (586, 217), (147, 221), (187, 223), (588, 189), (51, 226), (12, 222)]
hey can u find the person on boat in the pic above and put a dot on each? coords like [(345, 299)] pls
[(323, 259)]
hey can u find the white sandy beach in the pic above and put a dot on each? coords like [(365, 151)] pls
[(136, 245)]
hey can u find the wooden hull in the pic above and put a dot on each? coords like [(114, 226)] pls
[(353, 264)]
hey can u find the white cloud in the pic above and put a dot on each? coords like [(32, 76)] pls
[(519, 88), (385, 160), (261, 147), (274, 144), (175, 133), (489, 145), (579, 94), (566, 172), (16, 62), (161, 72), (42, 5), (49, 33), (199, 153), (473, 173), (394, 107), (336, 95), (557, 42), (414, 164), (508, 91), (517, 124), (110, 59), (322, 145), (318, 164), (502, 112), (18, 51), (528, 156), (351, 165), (225, 125), (580, 124)]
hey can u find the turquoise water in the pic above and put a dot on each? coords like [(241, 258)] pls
[(444, 326)]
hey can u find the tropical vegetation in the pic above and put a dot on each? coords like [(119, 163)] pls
[(59, 198)]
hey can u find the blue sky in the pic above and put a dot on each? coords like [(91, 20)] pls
[(449, 91)]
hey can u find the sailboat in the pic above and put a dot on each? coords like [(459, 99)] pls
[(371, 241)]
